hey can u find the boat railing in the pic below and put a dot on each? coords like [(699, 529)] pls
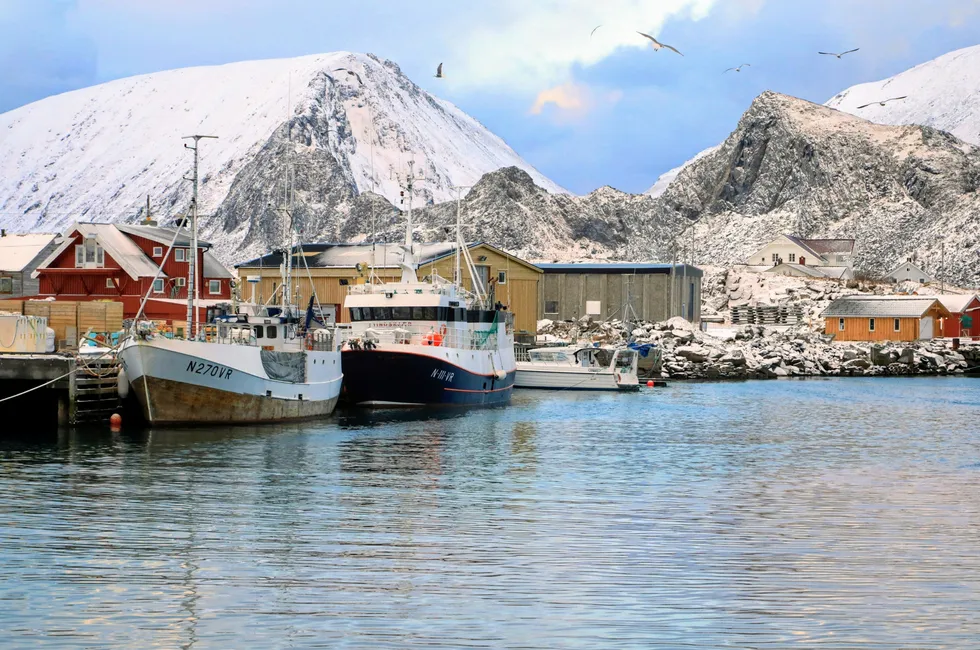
[(426, 336)]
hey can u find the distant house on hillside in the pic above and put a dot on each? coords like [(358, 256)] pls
[(908, 272), (104, 261), (884, 318), (816, 258), (20, 255)]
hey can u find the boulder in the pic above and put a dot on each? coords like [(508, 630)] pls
[(853, 364), (849, 355), (735, 357), (696, 353), (906, 356), (882, 356)]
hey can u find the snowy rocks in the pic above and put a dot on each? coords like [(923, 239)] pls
[(695, 353)]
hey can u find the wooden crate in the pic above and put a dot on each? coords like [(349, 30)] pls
[(12, 306)]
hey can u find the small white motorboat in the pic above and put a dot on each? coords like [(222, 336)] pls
[(578, 368)]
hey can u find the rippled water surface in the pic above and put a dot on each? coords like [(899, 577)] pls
[(816, 513)]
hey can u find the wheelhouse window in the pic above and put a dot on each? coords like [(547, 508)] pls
[(158, 251), (271, 332), (180, 254), (214, 286), (840, 324), (259, 331), (871, 324), (401, 313), (158, 285), (898, 324)]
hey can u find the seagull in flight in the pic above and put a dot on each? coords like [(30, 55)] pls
[(350, 73), (657, 45), (841, 54), (593, 31), (739, 68), (439, 72), (883, 102)]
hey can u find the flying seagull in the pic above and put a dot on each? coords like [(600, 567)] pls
[(882, 103), (350, 73), (657, 45), (739, 68), (841, 54), (439, 72), (593, 31)]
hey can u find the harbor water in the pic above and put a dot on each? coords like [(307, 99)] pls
[(831, 513)]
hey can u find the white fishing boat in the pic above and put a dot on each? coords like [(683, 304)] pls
[(429, 341), (579, 368), (246, 365)]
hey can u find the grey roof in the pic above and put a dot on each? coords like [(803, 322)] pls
[(955, 303), (213, 269), (624, 268), (160, 235), (18, 251), (121, 248), (880, 306), (342, 255)]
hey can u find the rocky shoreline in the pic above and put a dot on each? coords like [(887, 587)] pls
[(758, 352)]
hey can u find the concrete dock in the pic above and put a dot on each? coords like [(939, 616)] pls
[(77, 390)]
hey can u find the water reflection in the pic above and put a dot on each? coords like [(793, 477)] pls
[(835, 513)]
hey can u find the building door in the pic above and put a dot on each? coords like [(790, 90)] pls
[(802, 261), (483, 275), (925, 328)]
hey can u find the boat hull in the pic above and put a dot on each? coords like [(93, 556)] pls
[(560, 379), (187, 382), (385, 378)]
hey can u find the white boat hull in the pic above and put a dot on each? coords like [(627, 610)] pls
[(190, 382), (531, 375)]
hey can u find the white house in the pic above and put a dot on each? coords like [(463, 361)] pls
[(908, 272), (20, 255), (789, 255)]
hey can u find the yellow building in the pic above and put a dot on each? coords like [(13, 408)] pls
[(333, 268)]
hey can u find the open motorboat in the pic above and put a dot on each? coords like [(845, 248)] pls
[(579, 368)]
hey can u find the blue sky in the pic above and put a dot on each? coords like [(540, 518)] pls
[(586, 112)]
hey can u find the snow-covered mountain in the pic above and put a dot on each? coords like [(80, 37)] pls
[(792, 166), (943, 93), (96, 153)]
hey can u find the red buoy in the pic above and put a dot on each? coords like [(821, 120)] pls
[(650, 384), (115, 422)]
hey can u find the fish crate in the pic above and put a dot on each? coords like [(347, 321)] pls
[(767, 315)]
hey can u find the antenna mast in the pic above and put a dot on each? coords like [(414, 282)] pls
[(192, 270), (408, 258)]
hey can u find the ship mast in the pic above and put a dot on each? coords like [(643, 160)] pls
[(409, 276), (192, 270)]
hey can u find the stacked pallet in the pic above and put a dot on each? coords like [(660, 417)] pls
[(767, 315), (12, 306), (70, 319)]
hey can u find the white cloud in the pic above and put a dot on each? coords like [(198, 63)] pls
[(532, 44), (573, 100)]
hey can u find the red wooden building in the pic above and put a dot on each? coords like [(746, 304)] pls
[(965, 319), (102, 261)]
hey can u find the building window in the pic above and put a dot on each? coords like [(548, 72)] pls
[(158, 285), (109, 284), (551, 306), (898, 325), (214, 286), (501, 277), (871, 324), (775, 258), (922, 281), (792, 257), (89, 254), (181, 282), (158, 251), (180, 254), (6, 285), (840, 324)]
